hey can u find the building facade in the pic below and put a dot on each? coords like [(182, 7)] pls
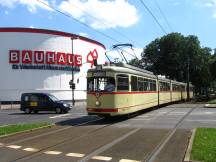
[(38, 60)]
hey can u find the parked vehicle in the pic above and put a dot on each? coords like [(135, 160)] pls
[(35, 102)]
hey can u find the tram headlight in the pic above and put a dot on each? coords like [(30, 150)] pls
[(97, 103)]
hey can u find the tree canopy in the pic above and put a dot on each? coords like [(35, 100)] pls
[(171, 54)]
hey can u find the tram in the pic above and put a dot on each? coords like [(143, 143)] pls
[(119, 89)]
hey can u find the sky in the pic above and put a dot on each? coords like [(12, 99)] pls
[(116, 21)]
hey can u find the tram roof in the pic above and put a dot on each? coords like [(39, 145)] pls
[(125, 68)]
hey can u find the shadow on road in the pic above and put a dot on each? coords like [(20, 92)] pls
[(40, 113)]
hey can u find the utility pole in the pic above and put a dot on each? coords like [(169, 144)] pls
[(72, 71), (188, 79)]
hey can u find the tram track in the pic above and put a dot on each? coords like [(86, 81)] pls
[(100, 149), (152, 156), (53, 132), (33, 154)]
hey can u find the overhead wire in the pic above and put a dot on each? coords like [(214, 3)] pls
[(86, 25), (163, 15), (154, 17), (71, 17), (116, 31)]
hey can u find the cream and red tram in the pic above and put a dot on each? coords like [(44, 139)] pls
[(119, 89)]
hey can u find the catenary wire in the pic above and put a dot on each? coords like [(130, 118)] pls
[(116, 31), (156, 20), (164, 16), (86, 25)]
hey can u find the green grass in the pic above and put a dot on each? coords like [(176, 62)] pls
[(204, 145), (212, 101), (9, 129)]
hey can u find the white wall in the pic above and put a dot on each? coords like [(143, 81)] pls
[(14, 82)]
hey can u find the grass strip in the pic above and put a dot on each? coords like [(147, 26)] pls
[(204, 145), (212, 101), (10, 129)]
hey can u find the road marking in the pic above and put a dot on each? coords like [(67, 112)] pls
[(59, 116), (109, 145), (75, 155), (208, 112), (127, 160), (14, 146), (104, 158), (52, 152), (200, 120), (1, 144), (140, 119), (30, 149)]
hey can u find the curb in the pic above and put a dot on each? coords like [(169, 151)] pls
[(11, 134), (189, 148), (210, 105)]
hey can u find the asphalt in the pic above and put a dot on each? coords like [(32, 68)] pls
[(162, 134)]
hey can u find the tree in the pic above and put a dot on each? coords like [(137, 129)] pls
[(171, 55)]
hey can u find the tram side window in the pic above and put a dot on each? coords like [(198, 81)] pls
[(123, 82), (176, 88), (152, 85), (146, 85), (140, 84), (134, 83), (164, 86)]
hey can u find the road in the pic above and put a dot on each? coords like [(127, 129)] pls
[(159, 135), (14, 116)]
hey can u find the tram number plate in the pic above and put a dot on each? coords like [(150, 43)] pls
[(98, 74)]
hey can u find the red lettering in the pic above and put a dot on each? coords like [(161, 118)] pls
[(78, 60), (26, 57), (44, 57), (61, 58), (39, 57), (50, 57), (14, 56), (70, 59)]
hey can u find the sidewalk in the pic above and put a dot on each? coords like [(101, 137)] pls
[(9, 106)]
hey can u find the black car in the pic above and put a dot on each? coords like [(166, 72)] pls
[(34, 102)]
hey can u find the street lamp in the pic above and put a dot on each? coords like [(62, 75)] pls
[(72, 71)]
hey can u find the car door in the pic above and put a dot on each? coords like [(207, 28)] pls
[(44, 103), (34, 102)]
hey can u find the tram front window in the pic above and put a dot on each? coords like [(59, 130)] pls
[(101, 84)]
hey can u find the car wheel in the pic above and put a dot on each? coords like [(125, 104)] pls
[(58, 111), (35, 111), (27, 111), (65, 111)]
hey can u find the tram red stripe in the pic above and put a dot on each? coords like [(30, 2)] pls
[(101, 110), (93, 93)]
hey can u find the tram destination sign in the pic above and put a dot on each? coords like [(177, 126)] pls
[(99, 74)]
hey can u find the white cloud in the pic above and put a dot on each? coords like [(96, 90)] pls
[(212, 5), (102, 14), (31, 5), (31, 26)]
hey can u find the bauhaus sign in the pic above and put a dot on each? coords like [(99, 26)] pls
[(47, 60)]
